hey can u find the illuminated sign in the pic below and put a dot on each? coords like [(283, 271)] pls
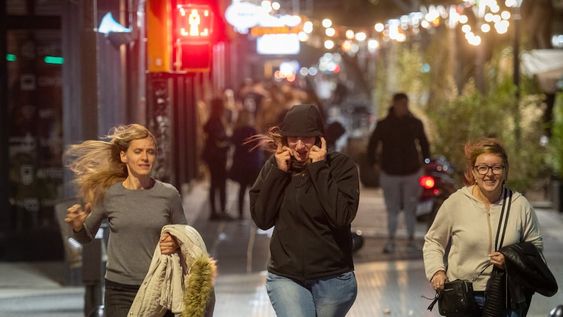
[(265, 30), (57, 60), (194, 23), (278, 44), (244, 15)]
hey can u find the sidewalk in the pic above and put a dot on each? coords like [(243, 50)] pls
[(386, 287)]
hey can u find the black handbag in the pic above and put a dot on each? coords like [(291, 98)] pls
[(456, 298), (496, 303)]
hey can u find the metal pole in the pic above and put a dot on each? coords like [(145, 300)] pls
[(516, 74), (479, 67)]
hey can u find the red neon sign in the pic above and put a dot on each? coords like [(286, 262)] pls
[(194, 23)]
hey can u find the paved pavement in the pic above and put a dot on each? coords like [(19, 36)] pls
[(388, 286)]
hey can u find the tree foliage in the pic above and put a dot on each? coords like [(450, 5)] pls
[(452, 117), (556, 142)]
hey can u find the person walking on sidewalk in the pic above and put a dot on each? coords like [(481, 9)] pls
[(246, 161), (310, 197), (468, 220), (399, 146), (115, 183), (215, 156)]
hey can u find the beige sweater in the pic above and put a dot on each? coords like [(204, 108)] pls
[(165, 283), (471, 229)]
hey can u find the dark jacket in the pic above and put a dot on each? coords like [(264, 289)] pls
[(246, 161), (215, 147), (398, 137), (526, 273), (312, 212)]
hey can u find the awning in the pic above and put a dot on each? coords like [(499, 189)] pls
[(546, 65)]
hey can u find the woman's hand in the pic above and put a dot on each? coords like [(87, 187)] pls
[(438, 280), (318, 153), (283, 154), (497, 259), (167, 244), (76, 215)]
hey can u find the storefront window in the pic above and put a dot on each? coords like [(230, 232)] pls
[(35, 126)]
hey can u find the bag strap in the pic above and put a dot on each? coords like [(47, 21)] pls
[(434, 301), (504, 213)]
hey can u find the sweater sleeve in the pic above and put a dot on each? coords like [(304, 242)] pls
[(91, 225), (266, 195), (531, 232), (177, 215), (436, 240), (337, 187)]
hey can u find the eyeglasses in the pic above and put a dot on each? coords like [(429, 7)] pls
[(484, 169)]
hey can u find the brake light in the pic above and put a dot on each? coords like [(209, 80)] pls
[(427, 182)]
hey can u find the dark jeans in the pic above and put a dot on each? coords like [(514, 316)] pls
[(241, 195), (119, 298), (480, 302)]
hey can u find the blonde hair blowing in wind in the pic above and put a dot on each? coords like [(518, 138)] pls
[(97, 165)]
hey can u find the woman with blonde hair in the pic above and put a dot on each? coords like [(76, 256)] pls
[(114, 181)]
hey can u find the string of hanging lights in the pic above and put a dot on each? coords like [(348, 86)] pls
[(474, 18)]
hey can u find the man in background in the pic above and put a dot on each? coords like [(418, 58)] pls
[(399, 146)]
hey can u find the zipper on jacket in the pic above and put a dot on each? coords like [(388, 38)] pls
[(490, 230)]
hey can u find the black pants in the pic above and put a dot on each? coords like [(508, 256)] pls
[(218, 173), (119, 298), (241, 195)]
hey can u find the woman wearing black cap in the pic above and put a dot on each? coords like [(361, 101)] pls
[(311, 197)]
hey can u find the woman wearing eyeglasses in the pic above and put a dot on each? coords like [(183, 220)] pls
[(469, 221)]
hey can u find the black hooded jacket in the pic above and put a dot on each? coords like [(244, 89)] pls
[(312, 212), (311, 207)]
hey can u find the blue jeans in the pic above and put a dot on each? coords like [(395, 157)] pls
[(325, 297), (480, 301)]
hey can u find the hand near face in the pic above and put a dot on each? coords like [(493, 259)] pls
[(282, 156), (76, 215), (318, 153), (167, 244)]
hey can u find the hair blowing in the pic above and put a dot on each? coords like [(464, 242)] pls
[(97, 165), (268, 141), (482, 146)]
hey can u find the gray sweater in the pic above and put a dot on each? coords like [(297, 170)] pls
[(471, 228), (135, 219)]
